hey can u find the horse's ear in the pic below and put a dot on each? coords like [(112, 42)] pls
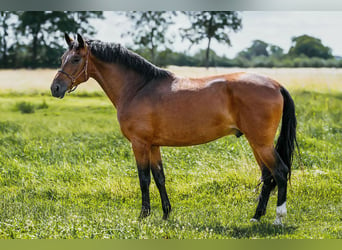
[(68, 39), (80, 41)]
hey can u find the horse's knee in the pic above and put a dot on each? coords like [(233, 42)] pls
[(158, 174), (144, 177)]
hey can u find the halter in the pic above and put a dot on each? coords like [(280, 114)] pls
[(74, 78)]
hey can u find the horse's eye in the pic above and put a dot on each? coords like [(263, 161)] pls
[(75, 60)]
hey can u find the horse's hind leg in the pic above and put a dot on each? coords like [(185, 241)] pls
[(159, 178), (268, 185), (277, 170), (280, 175)]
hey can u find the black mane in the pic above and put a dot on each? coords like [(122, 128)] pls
[(116, 53)]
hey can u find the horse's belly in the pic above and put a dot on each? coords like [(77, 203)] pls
[(192, 131), (190, 118)]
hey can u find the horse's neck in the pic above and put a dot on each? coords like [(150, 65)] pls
[(118, 83)]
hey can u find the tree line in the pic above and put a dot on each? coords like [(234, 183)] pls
[(35, 39), (32, 39)]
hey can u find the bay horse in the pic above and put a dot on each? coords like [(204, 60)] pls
[(156, 108)]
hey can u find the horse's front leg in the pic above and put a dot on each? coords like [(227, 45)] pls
[(159, 178), (142, 154)]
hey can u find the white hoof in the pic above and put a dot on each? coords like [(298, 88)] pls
[(253, 220), (281, 213), (281, 210)]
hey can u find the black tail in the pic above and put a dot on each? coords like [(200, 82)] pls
[(287, 138)]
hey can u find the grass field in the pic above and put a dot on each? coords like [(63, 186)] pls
[(66, 171)]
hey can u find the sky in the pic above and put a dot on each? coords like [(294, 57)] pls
[(274, 27)]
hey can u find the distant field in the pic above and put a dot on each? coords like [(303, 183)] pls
[(38, 79), (67, 172), (320, 79)]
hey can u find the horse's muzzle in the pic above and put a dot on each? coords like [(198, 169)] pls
[(58, 89)]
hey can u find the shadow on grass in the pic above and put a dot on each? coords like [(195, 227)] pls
[(247, 231), (259, 230)]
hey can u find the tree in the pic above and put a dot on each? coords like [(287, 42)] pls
[(4, 15), (309, 46), (261, 48), (149, 29), (211, 25), (258, 48), (276, 51), (44, 28), (5, 27)]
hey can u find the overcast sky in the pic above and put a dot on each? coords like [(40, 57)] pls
[(275, 27)]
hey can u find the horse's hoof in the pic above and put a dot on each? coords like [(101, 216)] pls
[(166, 216), (254, 220), (167, 212), (281, 213), (144, 213)]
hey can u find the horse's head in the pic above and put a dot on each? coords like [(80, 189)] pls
[(74, 68)]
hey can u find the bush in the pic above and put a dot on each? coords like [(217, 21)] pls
[(25, 107), (43, 105)]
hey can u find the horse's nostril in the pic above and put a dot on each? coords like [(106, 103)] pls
[(56, 88)]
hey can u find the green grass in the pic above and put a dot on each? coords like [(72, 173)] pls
[(66, 171)]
